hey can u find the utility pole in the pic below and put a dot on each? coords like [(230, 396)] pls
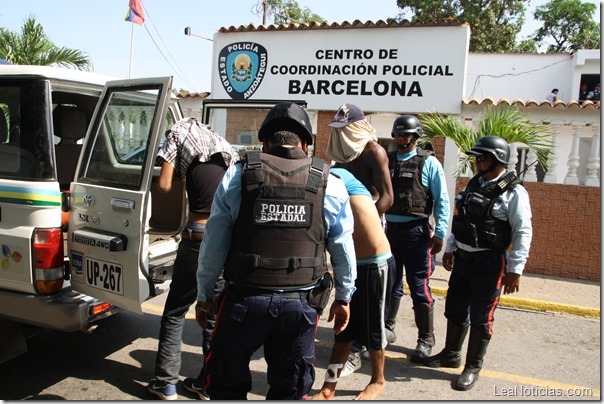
[(264, 11)]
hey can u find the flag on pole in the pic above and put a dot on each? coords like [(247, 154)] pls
[(135, 12)]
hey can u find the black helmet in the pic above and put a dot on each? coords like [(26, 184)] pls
[(494, 145), (287, 116), (407, 124)]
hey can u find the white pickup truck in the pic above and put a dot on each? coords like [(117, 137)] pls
[(83, 230)]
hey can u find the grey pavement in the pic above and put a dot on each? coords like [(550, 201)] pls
[(535, 353), (541, 293)]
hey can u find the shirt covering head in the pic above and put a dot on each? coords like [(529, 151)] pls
[(349, 134), (188, 139)]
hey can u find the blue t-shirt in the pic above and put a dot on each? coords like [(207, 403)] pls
[(353, 186)]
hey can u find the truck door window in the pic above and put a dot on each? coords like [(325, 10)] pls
[(25, 141), (239, 126), (119, 147)]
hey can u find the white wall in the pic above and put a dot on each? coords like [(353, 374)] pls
[(191, 106), (524, 76)]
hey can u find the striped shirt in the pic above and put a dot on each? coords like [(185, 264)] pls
[(188, 139)]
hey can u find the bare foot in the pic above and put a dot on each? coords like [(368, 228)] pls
[(372, 391), (324, 394)]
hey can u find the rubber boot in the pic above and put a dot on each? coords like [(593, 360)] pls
[(477, 348), (424, 319), (450, 356), (395, 304)]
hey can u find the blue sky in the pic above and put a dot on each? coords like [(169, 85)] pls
[(160, 48)]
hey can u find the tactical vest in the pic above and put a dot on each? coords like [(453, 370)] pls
[(474, 224), (411, 197), (279, 236)]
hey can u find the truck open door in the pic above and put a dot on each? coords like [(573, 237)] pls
[(110, 202)]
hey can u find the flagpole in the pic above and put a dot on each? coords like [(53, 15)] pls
[(131, 51)]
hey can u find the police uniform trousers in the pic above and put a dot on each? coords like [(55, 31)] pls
[(284, 324), (475, 288), (410, 245)]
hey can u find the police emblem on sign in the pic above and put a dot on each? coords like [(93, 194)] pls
[(283, 213), (241, 68)]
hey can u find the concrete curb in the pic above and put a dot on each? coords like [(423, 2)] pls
[(530, 304)]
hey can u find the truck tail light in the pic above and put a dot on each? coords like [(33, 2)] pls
[(99, 308), (48, 260)]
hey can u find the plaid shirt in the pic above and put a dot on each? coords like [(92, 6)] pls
[(188, 139)]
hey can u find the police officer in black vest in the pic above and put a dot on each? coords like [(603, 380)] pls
[(273, 217), (420, 191), (493, 212)]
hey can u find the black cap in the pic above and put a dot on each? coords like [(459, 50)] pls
[(348, 113), (287, 116)]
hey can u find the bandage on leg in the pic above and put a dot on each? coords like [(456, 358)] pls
[(332, 372)]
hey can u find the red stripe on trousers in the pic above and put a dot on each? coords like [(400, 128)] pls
[(208, 382), (427, 279), (496, 302)]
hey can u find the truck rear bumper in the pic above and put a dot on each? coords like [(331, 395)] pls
[(66, 311)]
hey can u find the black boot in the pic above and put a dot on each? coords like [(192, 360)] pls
[(395, 303), (477, 348), (450, 356), (424, 319)]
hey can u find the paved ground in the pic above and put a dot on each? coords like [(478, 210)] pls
[(542, 293), (545, 354)]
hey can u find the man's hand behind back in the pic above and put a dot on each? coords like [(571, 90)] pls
[(202, 310), (342, 314)]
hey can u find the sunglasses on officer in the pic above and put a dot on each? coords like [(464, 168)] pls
[(481, 157)]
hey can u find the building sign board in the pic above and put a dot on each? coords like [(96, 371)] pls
[(413, 69)]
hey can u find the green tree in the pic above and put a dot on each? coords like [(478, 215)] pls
[(289, 11), (568, 26), (526, 46), (507, 123), (494, 24), (33, 47)]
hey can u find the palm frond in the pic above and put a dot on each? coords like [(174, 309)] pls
[(507, 123), (32, 47), (512, 126)]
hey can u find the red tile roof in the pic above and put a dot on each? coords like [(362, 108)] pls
[(340, 25), (193, 95), (531, 102)]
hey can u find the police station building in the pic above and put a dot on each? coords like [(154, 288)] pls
[(388, 69)]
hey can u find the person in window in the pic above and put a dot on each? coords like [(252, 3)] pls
[(583, 93), (595, 94)]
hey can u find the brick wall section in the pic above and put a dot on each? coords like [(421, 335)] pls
[(323, 131), (438, 144), (566, 230), (243, 119)]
